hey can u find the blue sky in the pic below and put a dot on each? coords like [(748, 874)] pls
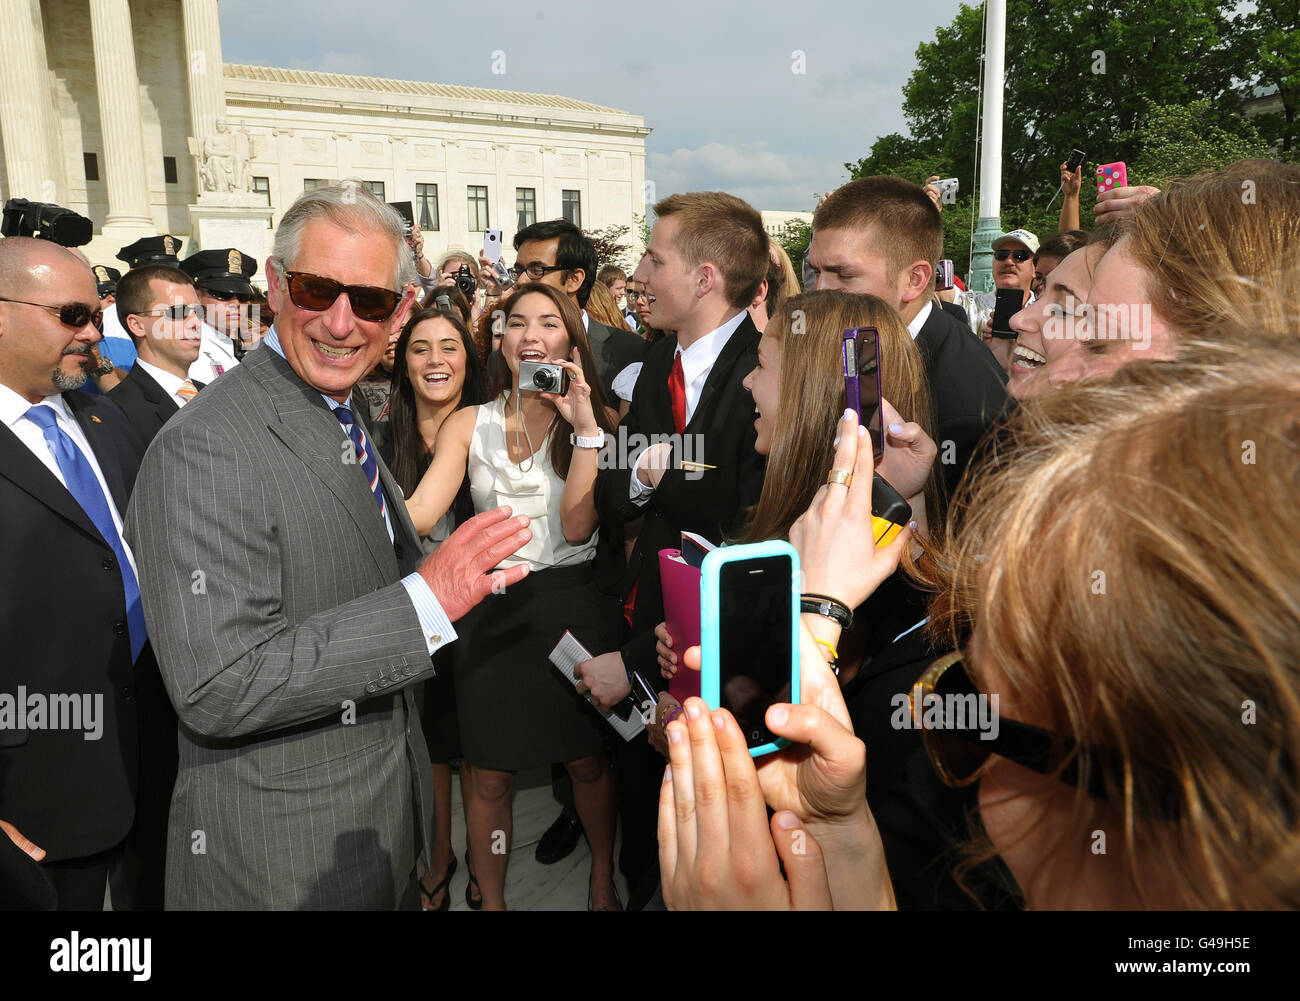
[(716, 83)]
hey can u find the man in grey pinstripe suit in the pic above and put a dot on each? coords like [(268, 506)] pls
[(281, 589)]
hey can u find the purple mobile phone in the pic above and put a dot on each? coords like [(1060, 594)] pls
[(861, 348)]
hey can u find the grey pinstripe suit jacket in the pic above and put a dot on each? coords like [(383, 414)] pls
[(272, 596)]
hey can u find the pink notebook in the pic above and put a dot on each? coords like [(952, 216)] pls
[(681, 588)]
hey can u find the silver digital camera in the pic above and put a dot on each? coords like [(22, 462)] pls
[(543, 377)]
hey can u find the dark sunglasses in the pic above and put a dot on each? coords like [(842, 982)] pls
[(961, 752), (222, 296), (535, 270), (318, 294), (178, 312), (74, 314), (1019, 256)]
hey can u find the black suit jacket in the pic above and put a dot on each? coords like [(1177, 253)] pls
[(713, 503), (146, 404), (967, 385), (63, 625), (615, 350)]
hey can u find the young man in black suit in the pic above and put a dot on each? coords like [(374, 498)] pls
[(161, 312), (72, 622), (883, 235), (706, 260)]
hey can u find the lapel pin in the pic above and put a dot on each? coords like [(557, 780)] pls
[(96, 419)]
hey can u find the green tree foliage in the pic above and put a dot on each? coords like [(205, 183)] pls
[(1270, 48), (794, 239), (1077, 75), (1176, 141)]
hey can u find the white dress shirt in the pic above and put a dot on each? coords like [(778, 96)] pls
[(697, 362), (13, 411), (171, 384), (918, 321), (216, 354), (437, 628)]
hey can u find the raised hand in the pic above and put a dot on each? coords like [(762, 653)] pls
[(458, 570)]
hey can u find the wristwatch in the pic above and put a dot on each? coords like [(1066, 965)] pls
[(596, 441)]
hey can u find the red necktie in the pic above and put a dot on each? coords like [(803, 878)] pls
[(677, 394)]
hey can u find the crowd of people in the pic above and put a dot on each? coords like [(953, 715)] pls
[(304, 556)]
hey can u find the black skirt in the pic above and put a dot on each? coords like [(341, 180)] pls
[(514, 709)]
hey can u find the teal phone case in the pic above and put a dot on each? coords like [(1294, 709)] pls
[(710, 622)]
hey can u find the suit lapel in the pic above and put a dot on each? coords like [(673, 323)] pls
[(741, 339), (28, 473), (107, 453), (315, 436), (163, 405)]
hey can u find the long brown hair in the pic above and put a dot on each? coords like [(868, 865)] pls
[(1130, 565), (810, 328), (561, 449), (409, 457), (601, 308)]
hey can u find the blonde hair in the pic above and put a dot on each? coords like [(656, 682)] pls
[(601, 307), (1217, 243), (1131, 571)]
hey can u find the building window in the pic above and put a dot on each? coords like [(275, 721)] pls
[(525, 206), (262, 186), (92, 166), (426, 207), (312, 183), (478, 208), (571, 204), (377, 189), (169, 170)]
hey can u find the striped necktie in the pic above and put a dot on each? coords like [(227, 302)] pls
[(368, 464), (187, 391)]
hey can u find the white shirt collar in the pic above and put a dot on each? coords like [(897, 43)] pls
[(914, 328), (14, 407), (698, 359), (170, 383), (586, 321)]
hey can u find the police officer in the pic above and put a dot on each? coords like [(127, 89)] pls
[(221, 278)]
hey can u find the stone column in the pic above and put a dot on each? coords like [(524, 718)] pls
[(27, 121), (125, 169), (203, 66)]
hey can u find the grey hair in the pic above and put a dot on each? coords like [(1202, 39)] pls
[(351, 205)]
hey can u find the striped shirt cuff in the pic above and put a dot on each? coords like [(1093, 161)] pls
[(434, 624)]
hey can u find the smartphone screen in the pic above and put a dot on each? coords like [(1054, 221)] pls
[(1007, 303), (862, 382), (754, 636)]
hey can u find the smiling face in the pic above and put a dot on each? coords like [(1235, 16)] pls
[(39, 354), (764, 384), (669, 285), (535, 332), (435, 362), (331, 350), (1050, 330), (616, 290)]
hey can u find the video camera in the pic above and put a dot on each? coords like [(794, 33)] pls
[(45, 221)]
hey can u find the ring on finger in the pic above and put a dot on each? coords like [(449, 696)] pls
[(840, 476)]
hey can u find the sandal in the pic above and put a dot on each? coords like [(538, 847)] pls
[(428, 895), (470, 902)]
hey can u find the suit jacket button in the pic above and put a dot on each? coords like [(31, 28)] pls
[(127, 693), (119, 628), (370, 687), (110, 564)]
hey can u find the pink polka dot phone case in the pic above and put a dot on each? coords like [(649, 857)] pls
[(1111, 176)]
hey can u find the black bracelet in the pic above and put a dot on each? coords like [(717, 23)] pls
[(824, 604)]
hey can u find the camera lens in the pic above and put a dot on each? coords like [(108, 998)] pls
[(543, 379)]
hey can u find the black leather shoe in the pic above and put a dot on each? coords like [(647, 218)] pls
[(559, 840)]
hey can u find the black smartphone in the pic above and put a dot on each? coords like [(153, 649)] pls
[(1076, 158), (1008, 302), (890, 511), (749, 620), (861, 348)]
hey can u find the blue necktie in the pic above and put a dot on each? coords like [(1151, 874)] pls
[(85, 489), (368, 464)]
